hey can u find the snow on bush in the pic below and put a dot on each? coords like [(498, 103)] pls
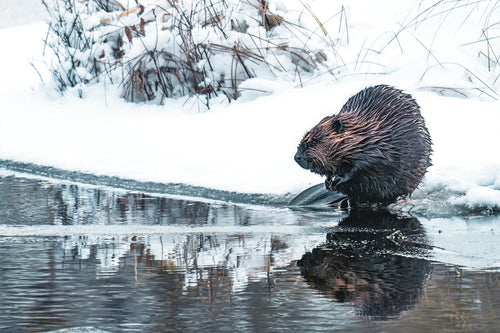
[(169, 48), (157, 49)]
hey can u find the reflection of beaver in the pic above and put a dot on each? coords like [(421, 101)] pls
[(379, 274), (374, 150)]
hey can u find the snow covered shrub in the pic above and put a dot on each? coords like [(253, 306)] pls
[(157, 49), (72, 42)]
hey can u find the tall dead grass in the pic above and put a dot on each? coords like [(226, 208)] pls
[(173, 48)]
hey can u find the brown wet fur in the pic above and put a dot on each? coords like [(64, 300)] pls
[(375, 150)]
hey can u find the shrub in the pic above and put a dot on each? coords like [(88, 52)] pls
[(171, 48)]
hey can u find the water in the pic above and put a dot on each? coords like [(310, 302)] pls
[(79, 258)]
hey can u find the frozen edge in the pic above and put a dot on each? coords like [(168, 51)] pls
[(147, 186), (430, 205)]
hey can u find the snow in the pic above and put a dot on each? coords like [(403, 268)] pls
[(248, 145)]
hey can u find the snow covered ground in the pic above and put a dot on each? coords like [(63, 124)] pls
[(248, 145)]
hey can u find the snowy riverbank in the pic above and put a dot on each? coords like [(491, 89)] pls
[(246, 146)]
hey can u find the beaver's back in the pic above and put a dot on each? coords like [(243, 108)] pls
[(396, 129)]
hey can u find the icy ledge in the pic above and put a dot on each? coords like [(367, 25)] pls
[(174, 189), (435, 204)]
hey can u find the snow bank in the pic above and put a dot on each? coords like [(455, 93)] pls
[(465, 135), (248, 145)]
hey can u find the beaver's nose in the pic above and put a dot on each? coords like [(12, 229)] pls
[(298, 157)]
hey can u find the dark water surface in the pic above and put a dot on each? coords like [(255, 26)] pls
[(79, 258)]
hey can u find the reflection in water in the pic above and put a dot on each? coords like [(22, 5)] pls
[(127, 281), (74, 256), (373, 260), (37, 202)]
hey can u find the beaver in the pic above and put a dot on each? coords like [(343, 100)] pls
[(375, 150)]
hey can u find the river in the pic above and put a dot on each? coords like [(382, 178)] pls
[(91, 258)]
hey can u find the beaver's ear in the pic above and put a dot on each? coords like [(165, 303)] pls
[(338, 125)]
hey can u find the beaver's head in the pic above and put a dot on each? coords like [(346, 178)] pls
[(328, 149)]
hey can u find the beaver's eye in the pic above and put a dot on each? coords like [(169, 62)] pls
[(338, 125)]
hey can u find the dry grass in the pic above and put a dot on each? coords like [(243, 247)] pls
[(490, 34), (118, 48), (86, 55)]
